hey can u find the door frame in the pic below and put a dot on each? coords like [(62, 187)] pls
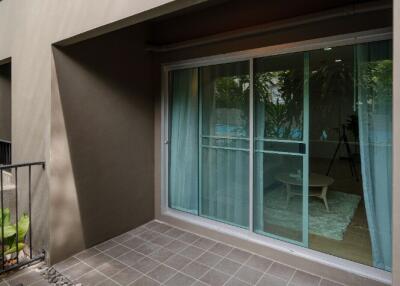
[(248, 55)]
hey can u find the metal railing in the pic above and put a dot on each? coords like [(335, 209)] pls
[(12, 186), (5, 152)]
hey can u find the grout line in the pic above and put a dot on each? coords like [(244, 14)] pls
[(187, 245)]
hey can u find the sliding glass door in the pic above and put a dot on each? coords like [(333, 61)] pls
[(224, 147), (280, 147), (295, 147)]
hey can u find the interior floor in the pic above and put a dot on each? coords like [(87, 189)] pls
[(356, 244)]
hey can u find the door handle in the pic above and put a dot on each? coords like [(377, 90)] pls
[(302, 148)]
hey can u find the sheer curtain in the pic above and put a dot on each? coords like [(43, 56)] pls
[(224, 155), (184, 134), (374, 67)]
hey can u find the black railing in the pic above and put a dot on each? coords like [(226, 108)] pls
[(5, 152), (13, 236)]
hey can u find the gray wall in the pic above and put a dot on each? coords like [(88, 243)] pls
[(106, 97), (5, 102)]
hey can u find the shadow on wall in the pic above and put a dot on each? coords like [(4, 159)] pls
[(106, 101)]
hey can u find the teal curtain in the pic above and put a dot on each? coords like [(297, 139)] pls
[(184, 134), (374, 65), (224, 92)]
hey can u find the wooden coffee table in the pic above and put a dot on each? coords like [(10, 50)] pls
[(315, 181)]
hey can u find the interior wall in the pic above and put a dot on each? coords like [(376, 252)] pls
[(5, 102), (107, 106)]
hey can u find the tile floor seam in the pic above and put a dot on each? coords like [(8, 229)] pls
[(237, 270), (222, 257), (145, 274), (233, 247), (291, 278), (94, 269), (111, 258)]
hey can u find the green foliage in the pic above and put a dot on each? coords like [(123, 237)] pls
[(10, 232), (376, 77), (281, 92)]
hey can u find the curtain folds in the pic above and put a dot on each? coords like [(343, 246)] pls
[(184, 146), (374, 67)]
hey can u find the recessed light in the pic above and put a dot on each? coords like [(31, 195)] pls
[(338, 60), (327, 49)]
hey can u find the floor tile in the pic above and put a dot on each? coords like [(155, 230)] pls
[(180, 279), (195, 270), (162, 240), (209, 259), (228, 266), (214, 278), (176, 246), (87, 253), (151, 224), (111, 267), (269, 280), (77, 270), (325, 282), (106, 245), (161, 228), (145, 281), (117, 251), (301, 278), (149, 235), (175, 233), (239, 255), (134, 242), (191, 252), (25, 279), (189, 237), (177, 261), (161, 255), (162, 273), (204, 243), (97, 260), (122, 238), (259, 263), (147, 248), (92, 278), (130, 258), (145, 264), (126, 276), (199, 283), (108, 282), (248, 275), (220, 249), (281, 271), (236, 282), (61, 266)]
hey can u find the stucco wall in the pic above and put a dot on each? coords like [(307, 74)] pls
[(28, 28), (106, 101)]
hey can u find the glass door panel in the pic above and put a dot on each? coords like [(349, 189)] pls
[(280, 147), (224, 137)]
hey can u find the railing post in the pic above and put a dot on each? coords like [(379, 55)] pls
[(30, 213), (2, 220), (16, 209)]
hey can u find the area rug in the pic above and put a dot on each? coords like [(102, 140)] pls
[(332, 224)]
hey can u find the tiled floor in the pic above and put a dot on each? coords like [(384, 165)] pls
[(158, 254), (27, 276)]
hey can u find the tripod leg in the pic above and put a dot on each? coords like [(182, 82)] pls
[(351, 159), (334, 156)]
